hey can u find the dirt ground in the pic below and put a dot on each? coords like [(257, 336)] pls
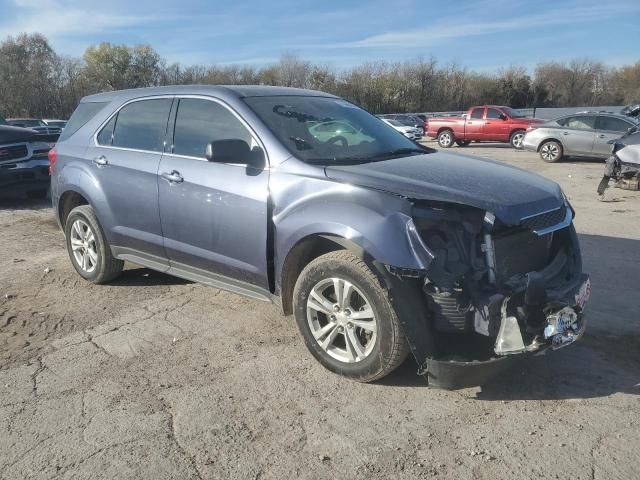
[(155, 377)]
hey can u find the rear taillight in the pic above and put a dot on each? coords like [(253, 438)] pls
[(53, 158)]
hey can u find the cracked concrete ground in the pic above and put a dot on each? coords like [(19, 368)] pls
[(154, 377)]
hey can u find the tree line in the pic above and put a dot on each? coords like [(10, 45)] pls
[(36, 81)]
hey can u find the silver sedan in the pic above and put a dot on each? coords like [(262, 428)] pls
[(581, 135)]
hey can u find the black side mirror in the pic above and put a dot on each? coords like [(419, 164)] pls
[(503, 116), (229, 151)]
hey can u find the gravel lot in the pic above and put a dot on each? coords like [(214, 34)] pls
[(155, 377)]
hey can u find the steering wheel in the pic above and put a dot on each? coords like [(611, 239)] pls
[(338, 140)]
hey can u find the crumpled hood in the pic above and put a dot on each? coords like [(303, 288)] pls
[(9, 134), (508, 192)]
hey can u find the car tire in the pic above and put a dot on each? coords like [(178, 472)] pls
[(446, 138), (463, 143), (88, 248), (39, 194), (516, 139), (551, 151), (377, 344)]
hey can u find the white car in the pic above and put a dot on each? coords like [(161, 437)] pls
[(410, 132)]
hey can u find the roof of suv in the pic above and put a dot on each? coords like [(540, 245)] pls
[(239, 91)]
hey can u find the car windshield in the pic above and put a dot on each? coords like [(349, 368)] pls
[(513, 113), (329, 130)]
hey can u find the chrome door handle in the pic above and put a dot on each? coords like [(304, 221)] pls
[(173, 177), (565, 133), (602, 136), (101, 161)]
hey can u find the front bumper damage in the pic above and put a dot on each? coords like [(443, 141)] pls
[(563, 327), (482, 314)]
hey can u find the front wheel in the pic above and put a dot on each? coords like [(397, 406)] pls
[(346, 319), (516, 139), (445, 138), (551, 151)]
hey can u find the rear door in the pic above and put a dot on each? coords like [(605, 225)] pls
[(474, 124), (578, 134), (214, 215), (126, 157), (496, 127), (608, 128)]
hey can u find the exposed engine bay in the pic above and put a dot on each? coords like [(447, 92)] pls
[(494, 290)]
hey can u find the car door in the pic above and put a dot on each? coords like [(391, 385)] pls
[(126, 157), (214, 215), (474, 124), (608, 128), (578, 134), (495, 127)]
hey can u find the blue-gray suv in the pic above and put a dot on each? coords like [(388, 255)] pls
[(377, 245)]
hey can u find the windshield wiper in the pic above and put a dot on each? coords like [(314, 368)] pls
[(399, 151)]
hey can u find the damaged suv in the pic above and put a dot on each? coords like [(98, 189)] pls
[(378, 246)]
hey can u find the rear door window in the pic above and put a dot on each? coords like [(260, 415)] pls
[(613, 124), (200, 122), (583, 122), (142, 125), (85, 112), (477, 113)]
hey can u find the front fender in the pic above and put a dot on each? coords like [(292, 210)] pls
[(379, 223)]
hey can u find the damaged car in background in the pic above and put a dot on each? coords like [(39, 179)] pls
[(623, 166), (378, 246)]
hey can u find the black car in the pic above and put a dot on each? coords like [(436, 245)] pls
[(24, 164)]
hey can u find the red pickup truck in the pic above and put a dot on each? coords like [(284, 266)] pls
[(487, 123)]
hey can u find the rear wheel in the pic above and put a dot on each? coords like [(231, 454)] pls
[(551, 151), (445, 138), (516, 139), (88, 248), (346, 319)]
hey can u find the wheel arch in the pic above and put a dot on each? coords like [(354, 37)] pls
[(305, 251)]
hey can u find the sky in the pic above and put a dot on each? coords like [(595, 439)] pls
[(482, 35)]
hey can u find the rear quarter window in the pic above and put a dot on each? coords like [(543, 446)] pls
[(85, 112)]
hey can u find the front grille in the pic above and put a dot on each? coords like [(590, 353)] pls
[(13, 152), (519, 253), (544, 220)]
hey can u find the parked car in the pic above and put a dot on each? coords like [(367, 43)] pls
[(488, 123), (408, 131), (631, 110), (376, 247), (35, 124), (407, 120), (582, 134), (55, 123), (623, 166), (24, 166)]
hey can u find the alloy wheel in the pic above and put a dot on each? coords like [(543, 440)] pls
[(83, 246), (341, 320), (445, 139), (518, 138), (550, 152)]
